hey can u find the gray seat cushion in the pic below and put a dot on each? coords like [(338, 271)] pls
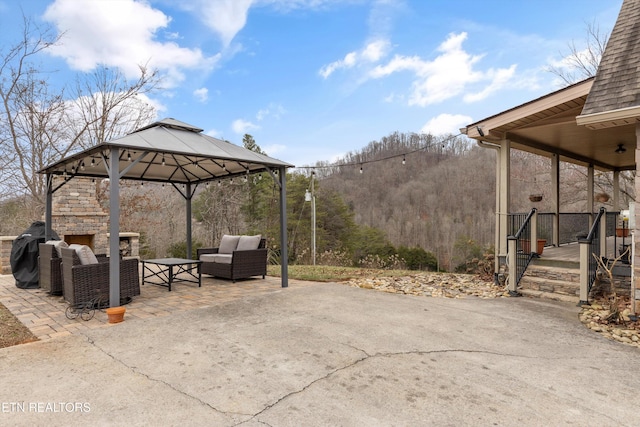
[(248, 243), (228, 244)]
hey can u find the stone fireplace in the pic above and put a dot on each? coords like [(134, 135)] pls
[(77, 216)]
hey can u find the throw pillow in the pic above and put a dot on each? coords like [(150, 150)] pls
[(85, 254), (57, 244), (248, 243), (228, 244)]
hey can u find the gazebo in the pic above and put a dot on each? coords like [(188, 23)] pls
[(168, 151)]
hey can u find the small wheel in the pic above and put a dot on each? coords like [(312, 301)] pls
[(87, 314), (71, 313)]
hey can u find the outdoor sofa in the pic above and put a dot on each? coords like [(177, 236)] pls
[(86, 277), (237, 257)]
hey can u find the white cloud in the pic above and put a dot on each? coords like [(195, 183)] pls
[(445, 124), (499, 78), (201, 94), (274, 149), (448, 75), (273, 110), (225, 17), (214, 133), (371, 53), (241, 126), (120, 34)]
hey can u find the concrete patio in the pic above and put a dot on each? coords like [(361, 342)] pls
[(254, 354)]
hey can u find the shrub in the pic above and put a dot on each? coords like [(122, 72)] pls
[(179, 250), (417, 258)]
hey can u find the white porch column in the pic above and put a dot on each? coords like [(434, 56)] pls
[(504, 189), (555, 197)]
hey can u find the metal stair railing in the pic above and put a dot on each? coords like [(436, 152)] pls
[(591, 249), (521, 248)]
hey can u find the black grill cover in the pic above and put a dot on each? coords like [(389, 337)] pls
[(24, 255)]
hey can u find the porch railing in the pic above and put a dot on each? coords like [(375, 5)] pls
[(572, 225), (591, 250), (522, 247)]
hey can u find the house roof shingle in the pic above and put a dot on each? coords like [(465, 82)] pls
[(617, 83)]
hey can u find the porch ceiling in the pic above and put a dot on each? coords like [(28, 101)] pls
[(548, 126)]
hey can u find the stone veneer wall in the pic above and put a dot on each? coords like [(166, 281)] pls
[(76, 211), (6, 243)]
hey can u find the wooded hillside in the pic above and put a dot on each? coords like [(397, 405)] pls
[(439, 196)]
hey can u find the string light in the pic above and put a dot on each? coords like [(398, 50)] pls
[(163, 160), (128, 155), (361, 163), (82, 166), (93, 162)]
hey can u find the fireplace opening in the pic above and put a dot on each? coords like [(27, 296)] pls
[(79, 239)]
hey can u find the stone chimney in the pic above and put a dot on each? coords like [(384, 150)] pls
[(77, 216)]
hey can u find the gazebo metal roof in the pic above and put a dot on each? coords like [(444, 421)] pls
[(168, 151)]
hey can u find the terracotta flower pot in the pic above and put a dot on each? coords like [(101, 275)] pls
[(526, 246), (622, 232), (116, 314)]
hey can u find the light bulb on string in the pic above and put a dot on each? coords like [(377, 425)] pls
[(404, 159), (163, 160), (361, 171)]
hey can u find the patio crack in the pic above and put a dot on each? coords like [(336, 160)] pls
[(368, 356), (177, 390)]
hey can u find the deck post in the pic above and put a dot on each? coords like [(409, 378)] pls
[(512, 243), (534, 233), (584, 272), (555, 189)]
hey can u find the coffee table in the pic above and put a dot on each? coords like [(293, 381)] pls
[(169, 269)]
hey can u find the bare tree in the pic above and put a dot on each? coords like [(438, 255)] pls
[(39, 124), (579, 64), (26, 109)]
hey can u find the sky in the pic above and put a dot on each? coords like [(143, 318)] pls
[(312, 80)]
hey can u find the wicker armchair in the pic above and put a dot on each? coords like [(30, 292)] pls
[(244, 264), (90, 282), (50, 269)]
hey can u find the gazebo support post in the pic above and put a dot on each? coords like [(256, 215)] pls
[(114, 227), (48, 210), (284, 253), (188, 197)]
